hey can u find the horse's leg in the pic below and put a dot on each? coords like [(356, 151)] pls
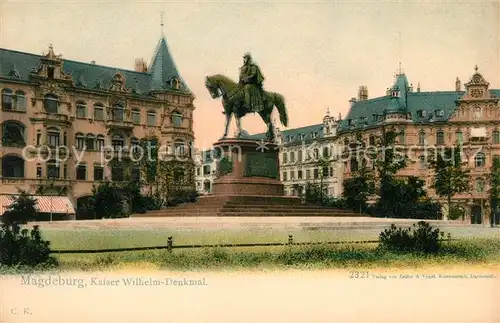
[(226, 126), (266, 117), (238, 126)]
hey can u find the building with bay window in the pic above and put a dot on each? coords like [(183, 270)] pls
[(67, 125), (425, 120)]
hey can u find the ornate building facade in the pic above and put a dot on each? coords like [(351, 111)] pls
[(205, 164), (468, 117), (67, 125)]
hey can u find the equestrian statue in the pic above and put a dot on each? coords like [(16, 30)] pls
[(247, 96)]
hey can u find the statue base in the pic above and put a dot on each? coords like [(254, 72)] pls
[(247, 168)]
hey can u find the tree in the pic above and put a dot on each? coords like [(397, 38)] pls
[(449, 176), (21, 210), (323, 164), (107, 200), (495, 190)]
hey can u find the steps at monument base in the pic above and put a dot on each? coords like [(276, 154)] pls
[(246, 214), (250, 209)]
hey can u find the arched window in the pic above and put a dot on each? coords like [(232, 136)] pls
[(79, 141), (100, 142), (151, 118), (480, 185), (480, 160), (20, 101), (7, 100), (440, 137), (421, 138), (118, 113), (12, 166), (51, 103), (136, 116), (98, 111), (81, 109), (496, 137), (53, 137), (13, 134), (90, 142), (176, 119)]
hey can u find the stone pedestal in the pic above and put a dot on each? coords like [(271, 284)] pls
[(247, 168)]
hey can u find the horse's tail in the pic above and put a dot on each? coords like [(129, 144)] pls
[(279, 102)]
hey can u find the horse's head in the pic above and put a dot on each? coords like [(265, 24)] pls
[(213, 87)]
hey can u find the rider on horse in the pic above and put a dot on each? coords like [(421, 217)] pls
[(251, 79)]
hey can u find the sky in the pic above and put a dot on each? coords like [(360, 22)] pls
[(316, 54)]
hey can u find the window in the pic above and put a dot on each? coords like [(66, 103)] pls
[(54, 136), (285, 158), (421, 138), (81, 110), (79, 141), (176, 119), (480, 160), (292, 156), (98, 173), (198, 171), (325, 152), (292, 175), (134, 144), (496, 137), (179, 148), (477, 113), (20, 100), (316, 153), (53, 170), (98, 112), (117, 174), (7, 100), (440, 137), (39, 171), (136, 116), (299, 174), (324, 171), (460, 137), (354, 165), (100, 142), (422, 162), (302, 136), (331, 171), (51, 104), (480, 185), (135, 174), (38, 138), (439, 113), (118, 113), (284, 177), (50, 72), (151, 118), (299, 155), (13, 134), (371, 140), (117, 142), (314, 134), (316, 173), (90, 142), (81, 173), (206, 170), (308, 173), (421, 113), (402, 138)]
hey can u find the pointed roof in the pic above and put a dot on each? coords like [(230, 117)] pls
[(164, 73)]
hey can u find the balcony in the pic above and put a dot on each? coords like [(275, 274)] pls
[(54, 117), (118, 124)]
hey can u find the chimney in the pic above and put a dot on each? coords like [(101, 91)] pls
[(93, 62), (418, 87), (140, 65), (363, 93), (458, 85)]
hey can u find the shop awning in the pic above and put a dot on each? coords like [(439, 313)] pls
[(45, 204)]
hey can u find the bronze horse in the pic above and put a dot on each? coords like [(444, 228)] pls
[(233, 101)]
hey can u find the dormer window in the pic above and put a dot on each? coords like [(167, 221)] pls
[(50, 72), (314, 134), (439, 113), (421, 113), (302, 136), (351, 123)]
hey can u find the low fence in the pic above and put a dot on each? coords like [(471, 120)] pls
[(170, 245)]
